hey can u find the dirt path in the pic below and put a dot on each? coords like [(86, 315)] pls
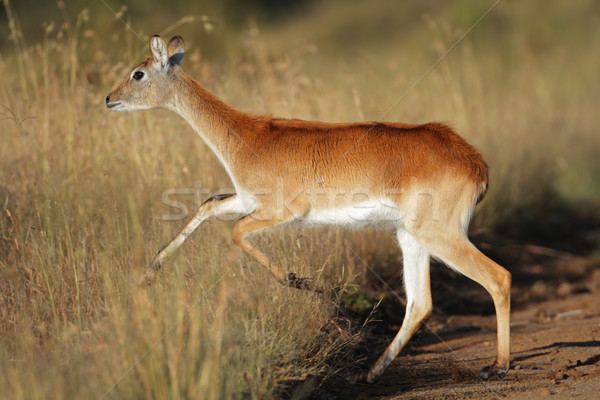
[(555, 352), (555, 340)]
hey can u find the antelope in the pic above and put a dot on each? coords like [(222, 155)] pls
[(421, 181)]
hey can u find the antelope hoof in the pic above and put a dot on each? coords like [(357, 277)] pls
[(150, 277), (151, 273), (492, 370), (292, 280)]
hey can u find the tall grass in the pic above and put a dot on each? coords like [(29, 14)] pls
[(81, 190)]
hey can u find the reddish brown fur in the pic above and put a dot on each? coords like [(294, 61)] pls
[(421, 180), (285, 145)]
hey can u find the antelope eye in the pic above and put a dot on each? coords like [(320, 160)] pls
[(138, 75)]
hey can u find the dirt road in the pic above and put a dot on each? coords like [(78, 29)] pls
[(555, 338), (555, 353)]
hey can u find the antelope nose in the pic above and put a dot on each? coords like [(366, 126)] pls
[(107, 99)]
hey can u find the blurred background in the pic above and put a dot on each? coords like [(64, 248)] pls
[(81, 188), (521, 85)]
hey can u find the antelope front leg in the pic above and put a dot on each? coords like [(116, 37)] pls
[(418, 299), (219, 204)]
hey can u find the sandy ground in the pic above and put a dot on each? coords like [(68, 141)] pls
[(554, 356), (555, 339)]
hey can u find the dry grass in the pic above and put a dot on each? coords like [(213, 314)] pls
[(81, 217), (80, 190)]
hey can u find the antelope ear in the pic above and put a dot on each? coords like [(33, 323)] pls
[(176, 49), (159, 50)]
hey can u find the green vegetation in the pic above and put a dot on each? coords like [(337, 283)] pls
[(81, 187)]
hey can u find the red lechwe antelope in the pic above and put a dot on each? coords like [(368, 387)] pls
[(422, 181)]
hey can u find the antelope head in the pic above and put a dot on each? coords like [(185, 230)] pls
[(153, 83)]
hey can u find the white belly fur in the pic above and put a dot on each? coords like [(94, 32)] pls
[(370, 213)]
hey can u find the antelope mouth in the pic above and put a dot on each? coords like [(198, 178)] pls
[(114, 105)]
